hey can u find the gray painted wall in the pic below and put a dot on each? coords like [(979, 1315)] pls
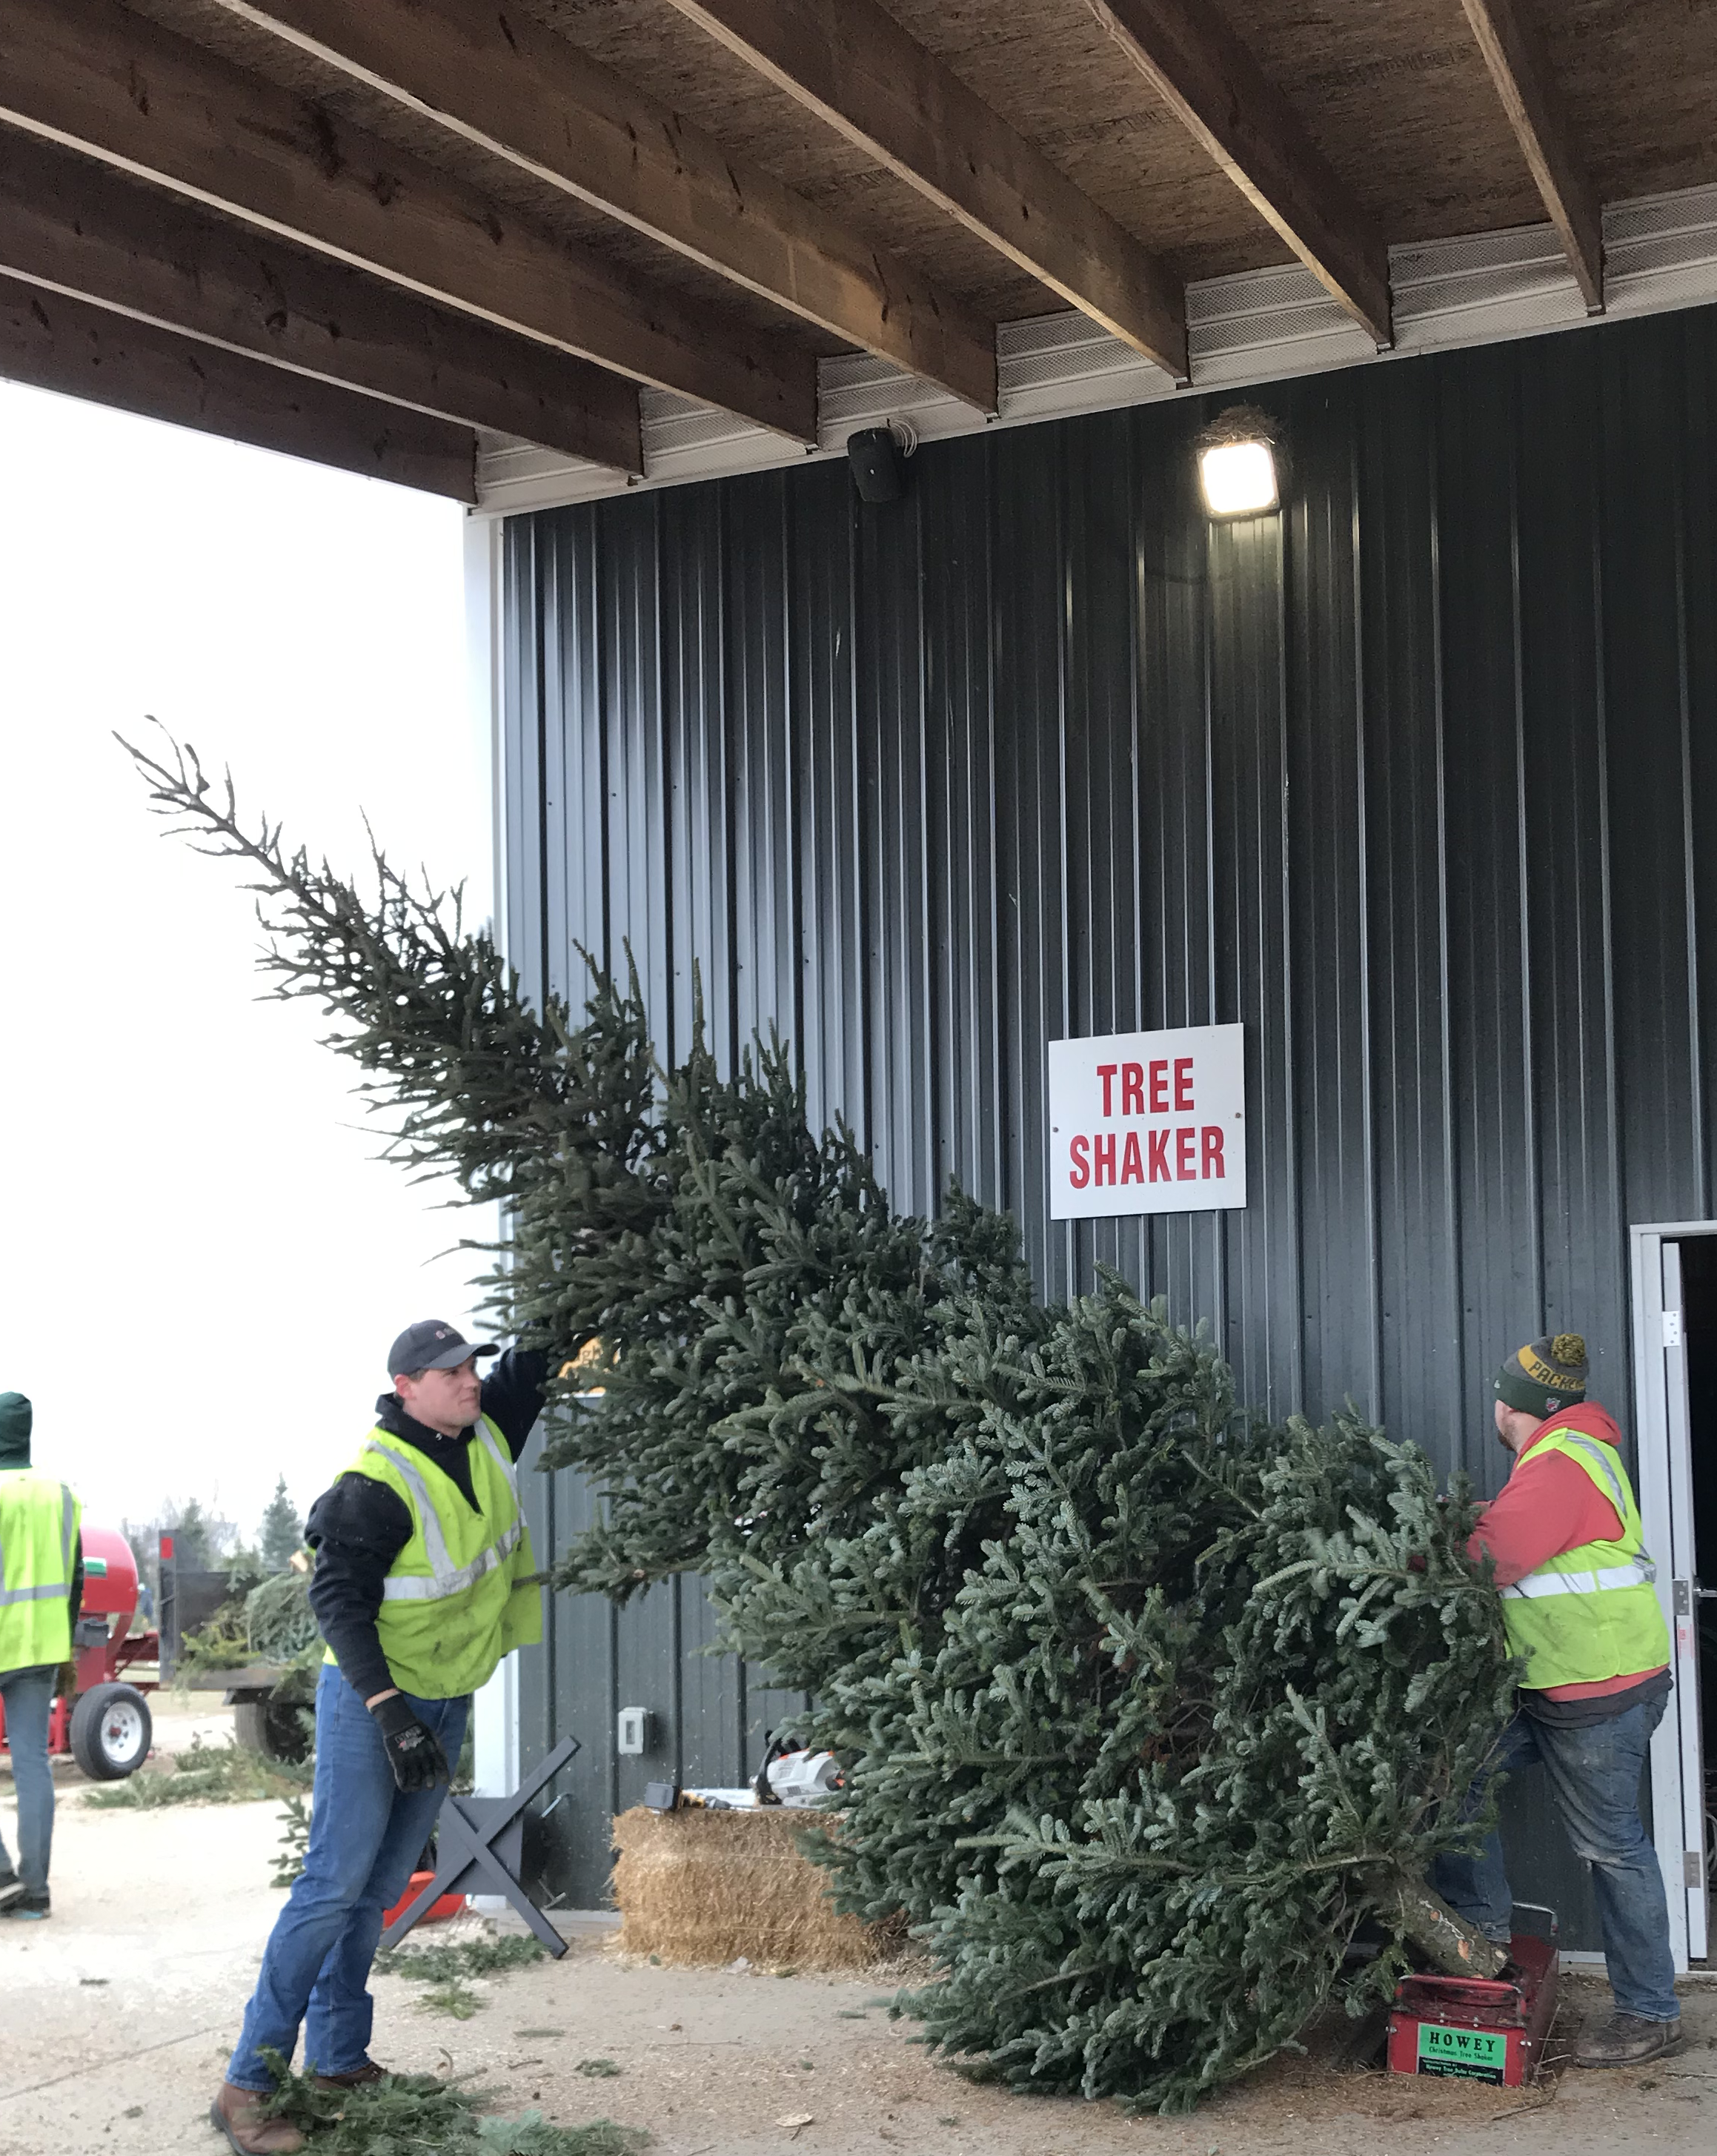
[(1417, 780)]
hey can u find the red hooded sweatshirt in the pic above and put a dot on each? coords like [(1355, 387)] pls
[(1549, 1505)]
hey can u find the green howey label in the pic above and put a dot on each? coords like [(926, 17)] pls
[(1473, 2053)]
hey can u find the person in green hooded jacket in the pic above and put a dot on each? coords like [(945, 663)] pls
[(41, 1585)]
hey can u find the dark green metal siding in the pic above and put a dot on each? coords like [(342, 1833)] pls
[(1417, 780)]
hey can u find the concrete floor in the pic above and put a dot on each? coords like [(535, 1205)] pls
[(118, 2013)]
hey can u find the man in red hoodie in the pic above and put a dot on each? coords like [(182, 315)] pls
[(1580, 1609)]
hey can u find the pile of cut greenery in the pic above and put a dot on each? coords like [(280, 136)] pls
[(1152, 1714), (417, 2115), (205, 1774), (447, 1969), (266, 1619)]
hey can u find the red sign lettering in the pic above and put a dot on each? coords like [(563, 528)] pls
[(1159, 1156), (1183, 1081), (1213, 1135), (1080, 1174), (1185, 1146), (1132, 1164), (1106, 1071), (1132, 1089), (1159, 1089), (1105, 1158)]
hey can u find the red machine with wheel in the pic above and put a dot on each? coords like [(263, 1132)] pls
[(106, 1725)]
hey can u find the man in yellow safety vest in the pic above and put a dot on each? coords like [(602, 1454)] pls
[(424, 1579), (41, 1585), (1580, 1609)]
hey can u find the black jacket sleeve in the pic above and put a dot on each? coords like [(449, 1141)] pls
[(512, 1394), (356, 1529)]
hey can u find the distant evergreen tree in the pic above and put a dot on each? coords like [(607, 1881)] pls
[(1151, 1713), (194, 1537), (281, 1535)]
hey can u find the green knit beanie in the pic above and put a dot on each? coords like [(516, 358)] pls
[(15, 1419), (1544, 1375)]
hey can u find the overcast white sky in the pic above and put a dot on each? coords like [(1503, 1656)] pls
[(201, 1261)]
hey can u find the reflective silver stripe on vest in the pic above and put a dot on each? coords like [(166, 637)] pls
[(68, 1542), (499, 1455), (1643, 1574), (445, 1576), (1597, 1454), (1537, 1585)]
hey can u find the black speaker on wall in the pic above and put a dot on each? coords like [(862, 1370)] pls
[(878, 468)]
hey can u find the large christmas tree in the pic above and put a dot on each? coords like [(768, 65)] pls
[(1153, 1715)]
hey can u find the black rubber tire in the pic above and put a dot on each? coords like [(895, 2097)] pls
[(111, 1731), (250, 1726), (271, 1728)]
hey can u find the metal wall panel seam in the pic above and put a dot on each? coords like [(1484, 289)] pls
[(1529, 1086), (1601, 706), (935, 932), (1696, 1090), (1362, 853), (1295, 1204), (1445, 983), (1699, 518), (789, 899), (1065, 987), (1210, 1011)]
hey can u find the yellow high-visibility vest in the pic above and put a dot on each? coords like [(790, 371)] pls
[(1593, 1612), (458, 1596), (39, 1551)]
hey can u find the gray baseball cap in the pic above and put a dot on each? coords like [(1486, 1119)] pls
[(433, 1344)]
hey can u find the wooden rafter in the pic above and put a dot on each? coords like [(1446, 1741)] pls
[(521, 92), (55, 342), (1515, 54), (88, 74), (1210, 82), (77, 227), (852, 65)]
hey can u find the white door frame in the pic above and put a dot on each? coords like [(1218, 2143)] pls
[(1666, 1513), (496, 1709)]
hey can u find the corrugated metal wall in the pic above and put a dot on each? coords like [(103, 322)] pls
[(1417, 780)]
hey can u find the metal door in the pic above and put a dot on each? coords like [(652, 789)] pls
[(1667, 1511)]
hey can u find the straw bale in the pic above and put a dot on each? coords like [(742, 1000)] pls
[(702, 1888)]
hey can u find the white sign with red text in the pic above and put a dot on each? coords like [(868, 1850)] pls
[(1147, 1123)]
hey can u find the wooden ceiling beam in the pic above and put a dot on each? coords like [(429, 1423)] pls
[(89, 74), (1210, 82), (499, 80), (849, 62), (1515, 54), (79, 227), (53, 342)]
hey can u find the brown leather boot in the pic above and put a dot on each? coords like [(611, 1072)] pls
[(238, 2113), (1627, 2040), (359, 2077)]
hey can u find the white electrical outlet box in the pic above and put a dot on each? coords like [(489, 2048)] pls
[(631, 1735)]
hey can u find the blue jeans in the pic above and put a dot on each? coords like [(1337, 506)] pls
[(1594, 1775), (28, 1695), (365, 1839)]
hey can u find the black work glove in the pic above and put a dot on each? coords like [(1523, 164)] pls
[(414, 1753)]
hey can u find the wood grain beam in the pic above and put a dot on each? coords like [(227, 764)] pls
[(53, 342), (499, 80), (1209, 79), (88, 74), (79, 228), (849, 62), (1515, 54)]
